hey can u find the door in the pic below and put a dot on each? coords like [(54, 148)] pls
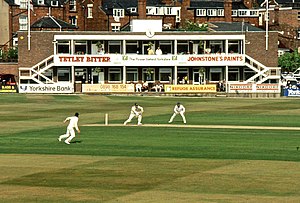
[(98, 75), (196, 78)]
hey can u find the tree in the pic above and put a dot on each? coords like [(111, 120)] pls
[(289, 62)]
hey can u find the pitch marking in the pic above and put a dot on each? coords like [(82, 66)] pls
[(199, 126)]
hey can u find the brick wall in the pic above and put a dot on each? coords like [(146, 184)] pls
[(142, 9), (186, 14), (41, 47), (9, 68), (228, 10), (286, 21), (256, 47)]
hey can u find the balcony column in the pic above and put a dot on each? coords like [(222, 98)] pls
[(54, 47), (124, 67), (124, 47), (175, 47), (73, 77), (124, 74), (226, 78), (72, 47), (175, 76), (175, 67)]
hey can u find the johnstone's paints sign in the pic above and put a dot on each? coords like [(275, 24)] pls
[(46, 88)]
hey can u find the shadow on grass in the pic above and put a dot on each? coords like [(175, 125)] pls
[(76, 141)]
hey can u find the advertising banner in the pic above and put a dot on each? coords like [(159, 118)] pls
[(291, 93), (46, 88), (154, 60), (92, 88), (8, 88), (88, 60), (253, 88), (145, 60), (190, 88), (211, 60)]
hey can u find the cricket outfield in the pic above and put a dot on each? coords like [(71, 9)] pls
[(231, 150)]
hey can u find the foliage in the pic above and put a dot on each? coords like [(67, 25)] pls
[(9, 55), (12, 53), (99, 44), (289, 62), (194, 26)]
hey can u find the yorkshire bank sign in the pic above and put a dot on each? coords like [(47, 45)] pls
[(153, 60), (46, 88)]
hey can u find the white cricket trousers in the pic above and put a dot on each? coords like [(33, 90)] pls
[(70, 134), (131, 116), (174, 115)]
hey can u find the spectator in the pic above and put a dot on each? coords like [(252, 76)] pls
[(185, 79), (145, 86), (150, 51), (158, 51), (138, 87), (170, 79), (158, 87), (220, 86), (288, 84)]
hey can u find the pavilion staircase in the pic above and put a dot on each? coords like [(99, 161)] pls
[(36, 72), (262, 73)]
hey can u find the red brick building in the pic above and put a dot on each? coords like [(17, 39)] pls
[(284, 17), (107, 15)]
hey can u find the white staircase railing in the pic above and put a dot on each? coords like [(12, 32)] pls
[(36, 72), (263, 73)]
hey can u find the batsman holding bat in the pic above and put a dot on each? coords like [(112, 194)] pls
[(136, 111), (178, 109)]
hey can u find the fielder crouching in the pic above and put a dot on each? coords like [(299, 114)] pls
[(178, 109), (136, 111)]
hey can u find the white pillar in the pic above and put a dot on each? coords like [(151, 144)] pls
[(226, 78), (175, 75), (124, 74)]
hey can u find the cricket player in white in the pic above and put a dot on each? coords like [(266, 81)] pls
[(178, 109), (136, 111), (70, 134)]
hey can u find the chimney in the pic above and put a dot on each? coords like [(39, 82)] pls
[(142, 9), (228, 10), (276, 17)]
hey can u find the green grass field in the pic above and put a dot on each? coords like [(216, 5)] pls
[(145, 163)]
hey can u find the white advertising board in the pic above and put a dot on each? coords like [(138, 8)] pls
[(254, 88), (141, 25), (92, 88), (46, 88)]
